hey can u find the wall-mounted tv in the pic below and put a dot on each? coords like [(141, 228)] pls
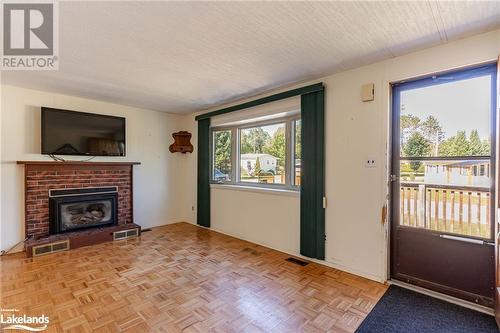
[(67, 132)]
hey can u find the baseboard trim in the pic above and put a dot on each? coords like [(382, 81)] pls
[(173, 221), (298, 255), (349, 270), (443, 297), (16, 249)]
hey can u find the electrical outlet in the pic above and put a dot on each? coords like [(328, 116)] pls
[(370, 163)]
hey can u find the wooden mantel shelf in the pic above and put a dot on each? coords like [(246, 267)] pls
[(69, 163), (76, 165)]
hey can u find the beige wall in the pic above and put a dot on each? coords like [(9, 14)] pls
[(158, 181), (356, 239)]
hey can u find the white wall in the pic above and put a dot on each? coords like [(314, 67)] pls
[(252, 216), (356, 238), (158, 181)]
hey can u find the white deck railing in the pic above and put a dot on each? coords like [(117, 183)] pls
[(454, 209)]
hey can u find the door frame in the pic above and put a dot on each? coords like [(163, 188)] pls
[(497, 207), (393, 136)]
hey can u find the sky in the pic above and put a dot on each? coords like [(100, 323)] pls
[(271, 129), (460, 105)]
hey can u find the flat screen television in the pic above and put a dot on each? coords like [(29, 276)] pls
[(67, 132)]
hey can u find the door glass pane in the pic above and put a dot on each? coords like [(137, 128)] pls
[(262, 154), (445, 145), (222, 156), (449, 119)]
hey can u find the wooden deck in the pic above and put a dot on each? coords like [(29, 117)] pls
[(184, 278)]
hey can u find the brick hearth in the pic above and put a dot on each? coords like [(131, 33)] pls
[(40, 177)]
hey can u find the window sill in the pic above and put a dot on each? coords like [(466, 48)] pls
[(277, 191)]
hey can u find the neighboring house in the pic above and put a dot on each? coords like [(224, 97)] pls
[(220, 176), (466, 173), (267, 162)]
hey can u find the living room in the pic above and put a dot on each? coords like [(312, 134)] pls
[(250, 166)]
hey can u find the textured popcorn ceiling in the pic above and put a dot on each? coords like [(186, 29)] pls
[(183, 57)]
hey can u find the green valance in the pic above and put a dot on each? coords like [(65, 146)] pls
[(276, 97)]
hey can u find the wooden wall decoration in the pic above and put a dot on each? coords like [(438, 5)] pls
[(182, 143)]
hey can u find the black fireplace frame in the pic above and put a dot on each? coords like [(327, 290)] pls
[(59, 197)]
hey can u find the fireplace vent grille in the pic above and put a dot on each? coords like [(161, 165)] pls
[(124, 234), (50, 248)]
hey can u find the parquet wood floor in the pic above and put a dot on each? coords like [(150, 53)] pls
[(184, 278)]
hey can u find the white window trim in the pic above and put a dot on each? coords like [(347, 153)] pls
[(260, 189), (235, 154)]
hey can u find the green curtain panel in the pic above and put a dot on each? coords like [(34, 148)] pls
[(312, 190), (203, 207)]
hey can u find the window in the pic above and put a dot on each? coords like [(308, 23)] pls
[(265, 154), (262, 150), (297, 158), (222, 163)]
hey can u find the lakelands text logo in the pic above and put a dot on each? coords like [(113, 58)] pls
[(9, 320), (30, 38)]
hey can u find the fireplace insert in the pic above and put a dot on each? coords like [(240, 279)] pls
[(75, 209)]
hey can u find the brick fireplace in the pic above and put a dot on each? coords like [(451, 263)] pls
[(43, 178)]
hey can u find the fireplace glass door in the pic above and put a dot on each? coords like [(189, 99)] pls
[(74, 211), (84, 214)]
